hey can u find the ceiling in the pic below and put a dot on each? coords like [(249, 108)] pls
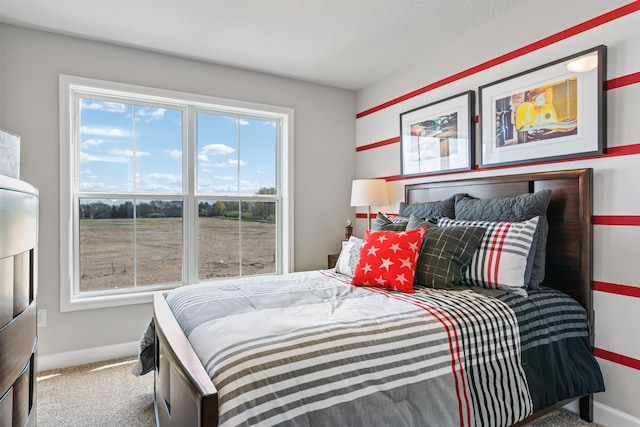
[(344, 43)]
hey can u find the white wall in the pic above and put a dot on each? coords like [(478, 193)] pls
[(30, 63), (616, 248)]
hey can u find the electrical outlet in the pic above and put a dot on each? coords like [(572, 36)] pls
[(42, 317)]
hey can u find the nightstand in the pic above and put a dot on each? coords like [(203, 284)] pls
[(332, 260)]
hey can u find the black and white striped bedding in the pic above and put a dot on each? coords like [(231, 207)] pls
[(309, 349)]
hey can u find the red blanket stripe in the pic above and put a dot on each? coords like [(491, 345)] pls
[(454, 347)]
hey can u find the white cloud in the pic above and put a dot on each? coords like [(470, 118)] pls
[(217, 150), (85, 157), (129, 153), (176, 154), (229, 163), (249, 186), (224, 189), (215, 185), (159, 182), (167, 177), (92, 186), (85, 130), (149, 114), (241, 122), (115, 156), (92, 142), (111, 107)]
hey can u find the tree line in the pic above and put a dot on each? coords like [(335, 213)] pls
[(248, 210)]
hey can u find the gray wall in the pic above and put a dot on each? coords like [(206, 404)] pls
[(30, 63)]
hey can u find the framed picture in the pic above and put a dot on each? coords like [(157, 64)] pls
[(555, 111), (438, 137)]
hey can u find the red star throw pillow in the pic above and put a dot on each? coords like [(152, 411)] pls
[(388, 259)]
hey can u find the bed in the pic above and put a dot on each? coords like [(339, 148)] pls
[(463, 379)]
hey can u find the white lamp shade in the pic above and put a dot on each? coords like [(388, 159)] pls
[(369, 192)]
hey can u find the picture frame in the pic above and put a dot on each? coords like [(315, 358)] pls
[(438, 137), (555, 111)]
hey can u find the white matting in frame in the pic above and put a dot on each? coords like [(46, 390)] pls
[(546, 113), (438, 137)]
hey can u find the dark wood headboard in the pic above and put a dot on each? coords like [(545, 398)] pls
[(569, 246)]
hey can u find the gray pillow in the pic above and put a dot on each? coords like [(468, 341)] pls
[(382, 222), (415, 222), (435, 209), (514, 209), (445, 255)]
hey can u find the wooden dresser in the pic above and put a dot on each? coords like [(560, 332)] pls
[(18, 290)]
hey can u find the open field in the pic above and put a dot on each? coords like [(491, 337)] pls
[(107, 250)]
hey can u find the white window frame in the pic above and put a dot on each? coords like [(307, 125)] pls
[(70, 299)]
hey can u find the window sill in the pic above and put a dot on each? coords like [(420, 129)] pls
[(106, 301)]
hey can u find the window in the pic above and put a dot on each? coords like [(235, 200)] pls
[(161, 189)]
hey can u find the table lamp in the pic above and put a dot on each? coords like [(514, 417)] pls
[(369, 192)]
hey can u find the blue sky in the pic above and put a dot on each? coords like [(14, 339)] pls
[(115, 137)]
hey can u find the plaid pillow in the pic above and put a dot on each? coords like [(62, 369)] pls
[(445, 255), (500, 261)]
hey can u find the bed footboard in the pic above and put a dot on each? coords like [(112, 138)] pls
[(184, 395)]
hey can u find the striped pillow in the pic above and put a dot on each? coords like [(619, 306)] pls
[(500, 261)]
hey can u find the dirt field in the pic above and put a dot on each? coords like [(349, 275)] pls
[(107, 251)]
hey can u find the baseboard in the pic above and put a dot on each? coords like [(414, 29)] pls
[(88, 355), (610, 417), (607, 416)]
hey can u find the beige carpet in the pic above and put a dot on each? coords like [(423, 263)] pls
[(98, 394), (106, 394)]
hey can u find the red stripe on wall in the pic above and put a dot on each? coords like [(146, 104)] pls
[(547, 41), (623, 150), (633, 220), (621, 81), (613, 288), (616, 358), (393, 140)]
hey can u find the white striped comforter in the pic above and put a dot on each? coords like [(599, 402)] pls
[(308, 349)]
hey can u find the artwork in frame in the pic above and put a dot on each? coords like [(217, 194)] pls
[(438, 137), (555, 111)]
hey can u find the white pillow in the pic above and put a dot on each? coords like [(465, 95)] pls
[(349, 256)]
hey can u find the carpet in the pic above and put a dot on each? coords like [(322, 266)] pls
[(106, 394), (97, 394)]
